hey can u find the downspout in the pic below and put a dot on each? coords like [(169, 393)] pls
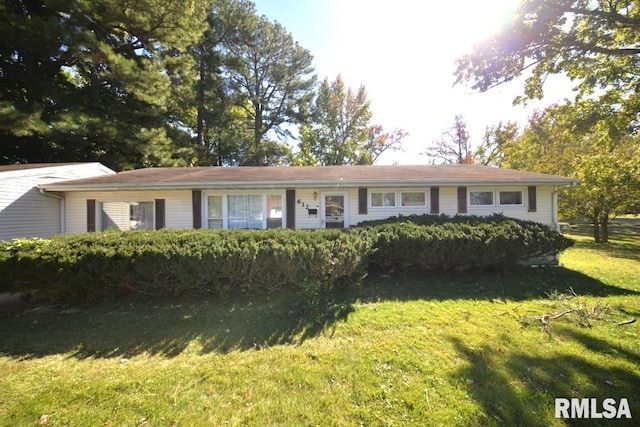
[(63, 221), (554, 209)]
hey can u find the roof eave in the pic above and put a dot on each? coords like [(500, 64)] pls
[(247, 185)]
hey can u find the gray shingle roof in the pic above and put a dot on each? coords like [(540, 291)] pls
[(301, 176)]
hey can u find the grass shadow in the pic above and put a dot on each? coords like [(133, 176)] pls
[(515, 285), (166, 326), (530, 398)]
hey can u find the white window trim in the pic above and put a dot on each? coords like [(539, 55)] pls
[(99, 210), (398, 197), (426, 200), (496, 197), (225, 205), (382, 191), (513, 190)]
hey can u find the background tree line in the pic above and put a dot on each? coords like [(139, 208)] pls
[(170, 82), (593, 137)]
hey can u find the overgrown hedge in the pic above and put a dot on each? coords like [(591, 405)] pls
[(439, 242), (92, 265)]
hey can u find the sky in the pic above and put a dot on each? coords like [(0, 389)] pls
[(404, 52)]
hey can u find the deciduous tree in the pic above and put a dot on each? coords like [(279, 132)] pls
[(596, 43), (454, 146), (588, 141), (339, 131)]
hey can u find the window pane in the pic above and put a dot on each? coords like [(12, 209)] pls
[(141, 216), (245, 211), (214, 207), (214, 212), (127, 215), (274, 211), (481, 198), (214, 223), (413, 199), (511, 197), (383, 199)]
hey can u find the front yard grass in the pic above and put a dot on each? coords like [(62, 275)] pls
[(460, 349)]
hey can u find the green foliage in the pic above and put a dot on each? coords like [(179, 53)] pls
[(592, 42), (229, 262), (87, 80), (591, 142), (436, 242), (175, 261), (339, 132), (270, 76)]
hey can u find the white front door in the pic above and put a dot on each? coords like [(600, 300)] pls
[(334, 213)]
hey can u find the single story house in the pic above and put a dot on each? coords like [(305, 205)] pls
[(25, 210), (300, 197)]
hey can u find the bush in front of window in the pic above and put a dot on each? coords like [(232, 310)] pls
[(93, 265), (440, 243)]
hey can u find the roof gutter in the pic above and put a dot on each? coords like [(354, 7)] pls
[(245, 185), (63, 209)]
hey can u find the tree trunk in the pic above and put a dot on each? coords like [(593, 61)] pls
[(605, 228), (596, 230)]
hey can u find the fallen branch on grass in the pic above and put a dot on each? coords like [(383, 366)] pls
[(626, 322), (548, 317)]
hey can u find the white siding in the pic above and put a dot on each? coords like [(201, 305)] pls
[(303, 218), (376, 213), (177, 206), (544, 206), (24, 212)]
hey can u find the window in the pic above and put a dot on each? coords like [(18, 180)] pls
[(481, 198), (413, 199), (274, 211), (214, 212), (513, 198), (126, 215), (379, 200), (245, 211)]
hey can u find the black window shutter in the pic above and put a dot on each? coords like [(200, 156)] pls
[(462, 199), (533, 196), (291, 208), (196, 202), (91, 215), (362, 201), (435, 200), (159, 214)]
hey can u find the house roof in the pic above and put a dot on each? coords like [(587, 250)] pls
[(307, 176)]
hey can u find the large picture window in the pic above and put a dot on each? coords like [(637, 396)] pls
[(244, 211), (126, 215)]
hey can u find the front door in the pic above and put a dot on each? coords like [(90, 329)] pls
[(333, 210)]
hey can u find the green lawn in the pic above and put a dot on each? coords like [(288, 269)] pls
[(465, 349)]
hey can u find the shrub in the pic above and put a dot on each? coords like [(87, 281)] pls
[(172, 261), (429, 242), (92, 265)]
